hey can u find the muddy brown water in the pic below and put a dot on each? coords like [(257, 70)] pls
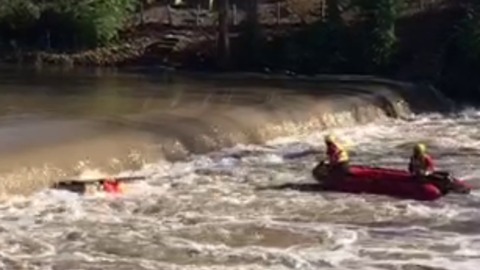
[(56, 123), (212, 163)]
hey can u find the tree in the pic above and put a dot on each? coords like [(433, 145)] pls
[(65, 24), (223, 34), (468, 36), (252, 35), (380, 17), (459, 78), (17, 18)]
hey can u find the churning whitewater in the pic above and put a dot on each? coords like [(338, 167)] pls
[(216, 211)]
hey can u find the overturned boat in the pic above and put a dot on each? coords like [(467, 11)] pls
[(391, 182), (111, 185)]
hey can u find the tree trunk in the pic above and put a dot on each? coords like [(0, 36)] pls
[(223, 34), (252, 13), (333, 11), (253, 34)]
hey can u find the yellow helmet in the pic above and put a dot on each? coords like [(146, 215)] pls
[(329, 138), (421, 148)]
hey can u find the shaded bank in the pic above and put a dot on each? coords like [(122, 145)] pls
[(426, 48), (118, 122)]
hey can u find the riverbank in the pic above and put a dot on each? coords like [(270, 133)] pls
[(162, 35), (186, 39)]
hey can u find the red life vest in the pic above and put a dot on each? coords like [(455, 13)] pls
[(421, 163), (336, 154), (112, 186)]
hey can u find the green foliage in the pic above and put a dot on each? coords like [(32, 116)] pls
[(468, 36), (61, 24), (460, 74), (17, 17), (102, 19), (329, 46), (322, 47), (380, 17)]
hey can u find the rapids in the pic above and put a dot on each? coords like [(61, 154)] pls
[(216, 210)]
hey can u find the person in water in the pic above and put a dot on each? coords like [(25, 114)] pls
[(337, 156), (421, 164)]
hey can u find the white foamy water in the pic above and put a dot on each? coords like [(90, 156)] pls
[(210, 213)]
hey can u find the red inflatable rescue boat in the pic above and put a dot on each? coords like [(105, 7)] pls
[(397, 183)]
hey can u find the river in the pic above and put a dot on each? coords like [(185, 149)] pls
[(215, 210)]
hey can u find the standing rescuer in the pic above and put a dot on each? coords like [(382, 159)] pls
[(421, 164), (337, 157)]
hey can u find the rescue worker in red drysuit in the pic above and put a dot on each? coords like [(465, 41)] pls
[(112, 186), (421, 164), (337, 158)]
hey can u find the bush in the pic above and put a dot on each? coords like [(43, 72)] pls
[(468, 36), (380, 40), (17, 18), (63, 24), (459, 78), (101, 20)]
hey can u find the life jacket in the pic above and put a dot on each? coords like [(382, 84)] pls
[(112, 186), (336, 154), (422, 163)]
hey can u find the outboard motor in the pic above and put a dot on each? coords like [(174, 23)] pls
[(446, 183), (320, 172)]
